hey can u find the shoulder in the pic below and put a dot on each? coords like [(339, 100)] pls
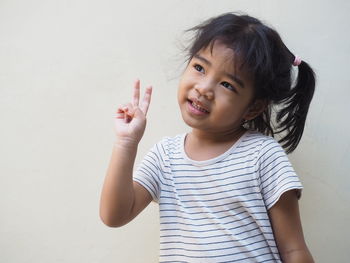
[(264, 142), (258, 142), (268, 152), (261, 146)]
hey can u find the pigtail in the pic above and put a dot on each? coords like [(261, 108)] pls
[(264, 56), (291, 118)]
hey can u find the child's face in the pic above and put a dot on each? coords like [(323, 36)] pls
[(221, 94)]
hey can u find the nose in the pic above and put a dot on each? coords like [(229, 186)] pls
[(205, 89)]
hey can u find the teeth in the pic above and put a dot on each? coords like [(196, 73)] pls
[(198, 107)]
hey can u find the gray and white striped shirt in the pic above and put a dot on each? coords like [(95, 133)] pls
[(216, 210)]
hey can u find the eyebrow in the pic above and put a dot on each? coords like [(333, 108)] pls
[(232, 77)]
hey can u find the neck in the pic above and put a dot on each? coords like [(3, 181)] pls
[(208, 137), (202, 145)]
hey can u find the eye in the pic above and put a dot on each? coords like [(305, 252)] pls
[(228, 86), (198, 67)]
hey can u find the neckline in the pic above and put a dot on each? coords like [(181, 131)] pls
[(212, 160)]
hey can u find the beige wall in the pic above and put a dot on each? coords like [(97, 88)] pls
[(66, 65)]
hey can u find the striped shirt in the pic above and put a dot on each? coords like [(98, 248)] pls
[(216, 210)]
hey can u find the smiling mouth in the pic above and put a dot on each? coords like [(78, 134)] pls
[(196, 106)]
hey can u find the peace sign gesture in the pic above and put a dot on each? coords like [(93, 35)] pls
[(130, 118)]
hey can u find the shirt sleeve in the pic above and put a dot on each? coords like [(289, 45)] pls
[(276, 174), (149, 171)]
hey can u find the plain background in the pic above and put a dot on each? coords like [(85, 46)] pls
[(66, 65)]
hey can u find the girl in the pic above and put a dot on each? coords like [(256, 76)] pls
[(226, 191)]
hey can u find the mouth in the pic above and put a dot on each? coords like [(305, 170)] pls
[(197, 106)]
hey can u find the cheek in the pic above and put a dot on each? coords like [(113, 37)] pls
[(180, 90), (182, 94), (179, 97), (184, 86), (234, 108)]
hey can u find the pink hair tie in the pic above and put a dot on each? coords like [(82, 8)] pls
[(297, 61)]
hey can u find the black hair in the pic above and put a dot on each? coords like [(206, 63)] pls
[(265, 57)]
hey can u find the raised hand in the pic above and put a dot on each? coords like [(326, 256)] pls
[(130, 118)]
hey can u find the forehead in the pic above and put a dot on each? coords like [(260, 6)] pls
[(223, 58)]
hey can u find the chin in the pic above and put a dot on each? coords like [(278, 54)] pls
[(192, 123), (186, 119)]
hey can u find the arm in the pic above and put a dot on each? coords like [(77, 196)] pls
[(121, 198), (286, 224)]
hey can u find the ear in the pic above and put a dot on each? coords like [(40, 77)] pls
[(255, 109)]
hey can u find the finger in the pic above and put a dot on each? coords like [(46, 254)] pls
[(128, 119), (136, 95), (125, 111), (120, 112), (121, 109), (119, 115), (129, 112), (129, 108), (146, 100)]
